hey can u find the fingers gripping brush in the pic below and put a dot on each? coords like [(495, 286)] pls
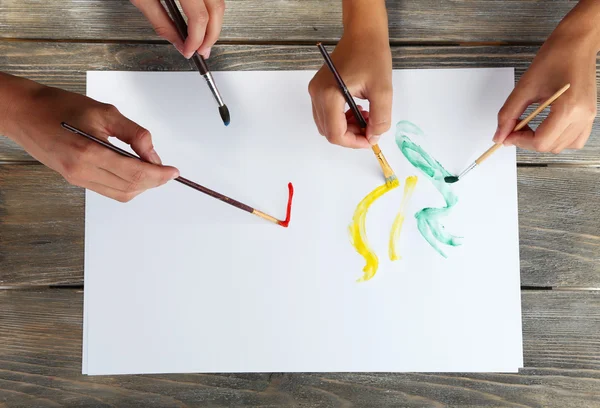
[(199, 61), (284, 223), (520, 125), (388, 173)]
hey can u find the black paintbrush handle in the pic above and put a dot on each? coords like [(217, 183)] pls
[(214, 194), (347, 95), (100, 141), (183, 33), (200, 63), (180, 179)]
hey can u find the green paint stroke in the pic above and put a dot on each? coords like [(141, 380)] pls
[(428, 219)]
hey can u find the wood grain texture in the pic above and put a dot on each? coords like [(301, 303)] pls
[(40, 365), (41, 220), (65, 64), (559, 227), (41, 227), (41, 216), (293, 20)]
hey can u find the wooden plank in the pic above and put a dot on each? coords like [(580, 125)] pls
[(41, 224), (559, 227), (40, 365), (65, 64), (294, 20), (41, 227), (560, 329)]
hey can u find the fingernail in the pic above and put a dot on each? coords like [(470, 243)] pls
[(179, 47), (374, 139), (174, 176), (154, 158)]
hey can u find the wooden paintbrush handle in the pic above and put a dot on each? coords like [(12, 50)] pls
[(488, 153), (540, 108), (524, 122), (385, 166)]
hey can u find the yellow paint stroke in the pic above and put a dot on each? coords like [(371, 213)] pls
[(358, 235), (409, 187)]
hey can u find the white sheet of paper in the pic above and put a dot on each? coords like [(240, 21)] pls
[(176, 281)]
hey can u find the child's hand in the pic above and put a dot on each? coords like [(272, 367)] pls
[(33, 120), (364, 61), (366, 68), (568, 56), (205, 18)]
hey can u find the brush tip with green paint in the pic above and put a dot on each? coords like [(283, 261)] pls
[(454, 179)]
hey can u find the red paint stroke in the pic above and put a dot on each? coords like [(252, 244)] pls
[(285, 223)]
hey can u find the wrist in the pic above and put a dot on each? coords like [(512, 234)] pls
[(581, 27), (366, 18), (15, 92)]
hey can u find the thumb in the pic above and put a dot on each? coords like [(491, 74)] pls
[(516, 103), (380, 113), (133, 134)]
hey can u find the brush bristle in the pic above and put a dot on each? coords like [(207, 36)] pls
[(224, 112), (451, 179), (392, 181)]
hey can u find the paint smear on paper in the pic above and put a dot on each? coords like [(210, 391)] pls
[(409, 188), (358, 234), (428, 219), (288, 214)]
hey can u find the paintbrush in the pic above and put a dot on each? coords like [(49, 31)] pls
[(284, 223), (198, 60), (390, 177), (521, 125)]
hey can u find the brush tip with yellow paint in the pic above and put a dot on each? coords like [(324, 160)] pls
[(390, 177), (392, 181)]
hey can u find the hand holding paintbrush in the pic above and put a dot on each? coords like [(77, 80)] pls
[(205, 19), (520, 125), (390, 177), (244, 207), (363, 59), (182, 30)]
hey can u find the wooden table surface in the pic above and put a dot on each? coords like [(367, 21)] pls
[(42, 217)]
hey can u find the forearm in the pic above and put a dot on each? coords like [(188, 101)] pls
[(367, 17), (583, 24), (14, 91)]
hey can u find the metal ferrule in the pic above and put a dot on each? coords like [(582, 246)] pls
[(468, 169), (213, 88)]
